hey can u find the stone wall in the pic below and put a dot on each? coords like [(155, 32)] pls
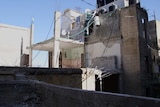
[(40, 94), (130, 51), (18, 94), (83, 78), (136, 56), (123, 34), (64, 77)]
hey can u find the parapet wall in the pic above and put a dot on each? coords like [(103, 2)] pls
[(83, 78), (39, 94), (18, 94), (64, 77)]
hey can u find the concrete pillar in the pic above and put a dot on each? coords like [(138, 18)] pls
[(50, 55), (30, 43), (56, 49)]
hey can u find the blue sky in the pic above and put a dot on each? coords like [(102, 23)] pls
[(20, 13), (151, 6)]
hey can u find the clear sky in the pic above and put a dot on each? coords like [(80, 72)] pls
[(20, 13)]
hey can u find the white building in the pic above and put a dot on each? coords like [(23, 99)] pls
[(158, 34), (70, 19), (14, 41), (64, 50)]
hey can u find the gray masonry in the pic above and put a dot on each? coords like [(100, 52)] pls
[(123, 34), (136, 56), (120, 44), (63, 77)]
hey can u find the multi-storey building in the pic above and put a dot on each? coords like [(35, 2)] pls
[(65, 48), (119, 47)]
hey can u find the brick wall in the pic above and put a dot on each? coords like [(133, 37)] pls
[(130, 51)]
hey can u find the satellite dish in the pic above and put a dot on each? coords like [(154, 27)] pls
[(64, 32)]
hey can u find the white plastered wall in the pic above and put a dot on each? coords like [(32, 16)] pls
[(10, 44), (99, 50), (158, 33)]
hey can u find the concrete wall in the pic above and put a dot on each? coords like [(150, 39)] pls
[(153, 34), (154, 39), (40, 94), (18, 94), (88, 79), (123, 34), (105, 62), (158, 33), (69, 77), (71, 58), (10, 39), (68, 18), (63, 77), (92, 54), (74, 63), (136, 55), (130, 51), (105, 40), (146, 60)]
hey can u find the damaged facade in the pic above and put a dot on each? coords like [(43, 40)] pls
[(154, 33), (116, 52), (117, 45), (64, 51)]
